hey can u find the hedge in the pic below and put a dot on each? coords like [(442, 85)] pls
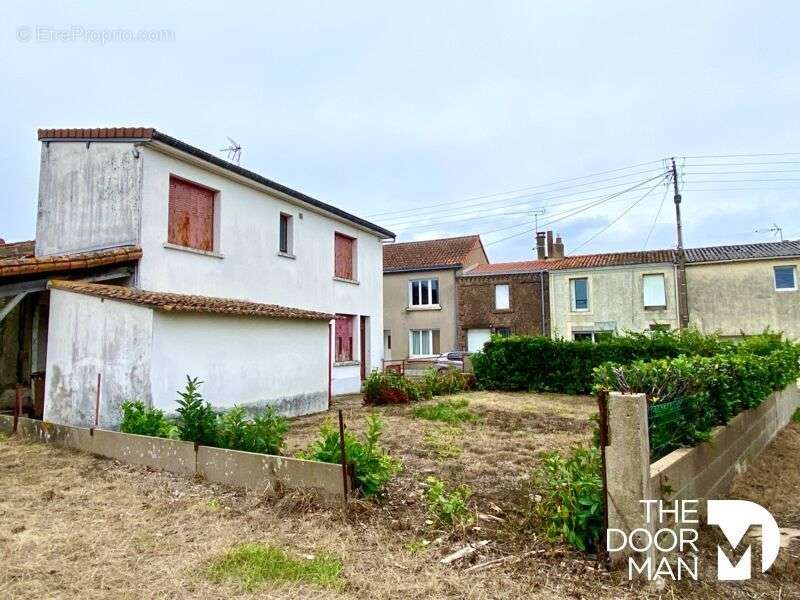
[(542, 364)]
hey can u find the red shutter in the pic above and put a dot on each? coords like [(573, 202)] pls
[(343, 256), (344, 338), (191, 215)]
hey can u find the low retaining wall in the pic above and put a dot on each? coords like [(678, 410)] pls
[(261, 472), (700, 473)]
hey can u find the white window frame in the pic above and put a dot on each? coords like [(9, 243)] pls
[(411, 333), (429, 303), (775, 278), (662, 304), (497, 288), (572, 298), (289, 252)]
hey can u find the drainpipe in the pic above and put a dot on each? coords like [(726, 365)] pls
[(541, 300), (330, 361)]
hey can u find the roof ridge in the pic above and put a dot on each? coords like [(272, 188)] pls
[(457, 237)]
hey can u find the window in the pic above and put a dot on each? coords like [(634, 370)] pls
[(191, 215), (423, 342), (785, 278), (579, 293), (285, 235), (501, 299), (655, 296), (597, 335), (344, 249), (423, 292), (344, 338), (502, 331), (583, 336), (660, 327)]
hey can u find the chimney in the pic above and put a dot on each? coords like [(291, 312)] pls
[(540, 252), (549, 243), (558, 248)]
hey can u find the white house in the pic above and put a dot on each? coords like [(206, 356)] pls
[(267, 295)]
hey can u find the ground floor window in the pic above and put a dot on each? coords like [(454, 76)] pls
[(502, 331), (344, 338), (592, 336), (659, 327), (423, 342)]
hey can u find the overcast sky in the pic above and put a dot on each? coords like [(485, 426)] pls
[(379, 108)]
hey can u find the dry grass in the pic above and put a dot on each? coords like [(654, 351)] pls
[(72, 525)]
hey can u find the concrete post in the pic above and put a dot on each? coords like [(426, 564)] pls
[(627, 470)]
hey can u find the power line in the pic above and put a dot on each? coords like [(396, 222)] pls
[(742, 155), (658, 214)]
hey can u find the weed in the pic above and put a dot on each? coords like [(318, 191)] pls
[(448, 509), (796, 416), (198, 422), (213, 503), (448, 411), (416, 546), (254, 564), (138, 419), (443, 442), (263, 434)]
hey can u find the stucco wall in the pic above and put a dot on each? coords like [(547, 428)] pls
[(250, 266), (615, 297), (89, 336), (244, 361), (88, 196), (399, 318), (735, 297)]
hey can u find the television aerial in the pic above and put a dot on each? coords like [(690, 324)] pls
[(234, 151)]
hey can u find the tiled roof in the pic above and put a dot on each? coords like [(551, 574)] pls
[(17, 249), (585, 261), (188, 303), (428, 254), (29, 264), (743, 252), (151, 134)]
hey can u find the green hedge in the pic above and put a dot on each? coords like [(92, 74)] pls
[(689, 395), (542, 364)]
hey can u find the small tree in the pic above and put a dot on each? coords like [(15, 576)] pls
[(198, 422)]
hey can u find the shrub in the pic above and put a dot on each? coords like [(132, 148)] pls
[(197, 421), (571, 490), (137, 418), (448, 509), (448, 411), (388, 387), (263, 434), (796, 416), (372, 466), (445, 382)]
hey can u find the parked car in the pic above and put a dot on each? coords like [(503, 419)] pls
[(451, 360)]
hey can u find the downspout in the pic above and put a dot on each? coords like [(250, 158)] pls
[(330, 361), (541, 301)]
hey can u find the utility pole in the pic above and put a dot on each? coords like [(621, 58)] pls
[(536, 213), (683, 295)]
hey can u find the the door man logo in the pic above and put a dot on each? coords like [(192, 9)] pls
[(735, 517), (674, 533)]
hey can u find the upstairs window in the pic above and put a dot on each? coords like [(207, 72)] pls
[(501, 298), (785, 278), (579, 293), (655, 295), (344, 250), (191, 215), (423, 292), (285, 235), (344, 338)]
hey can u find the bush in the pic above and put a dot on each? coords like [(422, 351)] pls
[(448, 411), (445, 382), (197, 421), (571, 490), (137, 418), (388, 387), (796, 416), (263, 434), (372, 466), (448, 509), (542, 364)]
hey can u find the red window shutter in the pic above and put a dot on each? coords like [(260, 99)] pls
[(344, 338), (343, 256), (191, 215)]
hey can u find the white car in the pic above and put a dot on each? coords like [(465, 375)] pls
[(451, 360)]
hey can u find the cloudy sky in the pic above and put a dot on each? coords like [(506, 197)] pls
[(440, 120)]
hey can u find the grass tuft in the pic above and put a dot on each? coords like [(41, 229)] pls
[(254, 564), (447, 411), (443, 442)]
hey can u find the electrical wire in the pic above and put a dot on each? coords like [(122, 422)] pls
[(658, 214)]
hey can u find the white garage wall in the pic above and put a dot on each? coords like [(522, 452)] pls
[(247, 361)]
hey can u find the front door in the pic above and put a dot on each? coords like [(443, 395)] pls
[(363, 345)]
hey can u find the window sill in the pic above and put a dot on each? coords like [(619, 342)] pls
[(192, 250), (287, 255), (580, 311), (422, 357), (502, 310), (784, 290), (425, 307), (663, 307), (347, 363), (345, 280)]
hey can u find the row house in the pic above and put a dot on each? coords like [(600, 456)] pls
[(154, 259)]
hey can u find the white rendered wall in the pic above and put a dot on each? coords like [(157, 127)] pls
[(247, 361), (88, 336)]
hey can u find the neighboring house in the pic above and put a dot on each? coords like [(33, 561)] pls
[(420, 294), (267, 295), (743, 289)]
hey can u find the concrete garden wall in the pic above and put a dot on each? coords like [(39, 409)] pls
[(261, 472)]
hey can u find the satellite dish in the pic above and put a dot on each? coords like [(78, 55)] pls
[(234, 151)]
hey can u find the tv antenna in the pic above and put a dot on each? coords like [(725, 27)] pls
[(774, 230), (234, 151)]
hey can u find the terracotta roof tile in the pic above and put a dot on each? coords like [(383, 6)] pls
[(17, 249), (188, 303), (743, 252), (585, 261), (428, 254), (29, 264)]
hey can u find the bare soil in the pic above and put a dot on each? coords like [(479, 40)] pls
[(72, 525)]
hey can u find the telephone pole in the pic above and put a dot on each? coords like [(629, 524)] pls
[(683, 295)]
